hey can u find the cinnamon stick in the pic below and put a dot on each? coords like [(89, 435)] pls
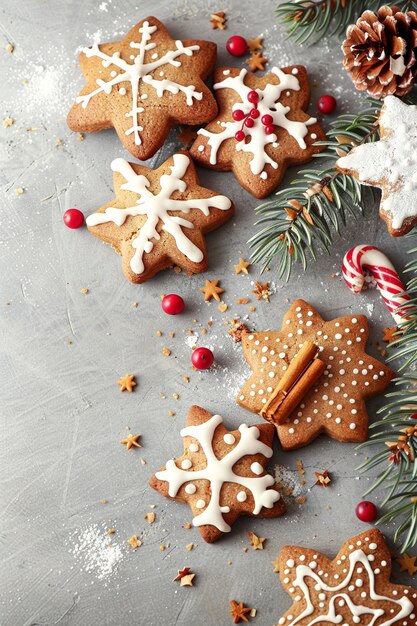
[(303, 371)]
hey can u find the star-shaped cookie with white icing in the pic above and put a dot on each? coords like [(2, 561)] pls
[(335, 404), (221, 474), (390, 164), (262, 126), (352, 589), (143, 85), (158, 217)]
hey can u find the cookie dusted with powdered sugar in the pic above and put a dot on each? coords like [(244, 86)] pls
[(333, 403), (390, 164), (158, 217), (221, 474), (352, 589), (262, 127), (143, 85)]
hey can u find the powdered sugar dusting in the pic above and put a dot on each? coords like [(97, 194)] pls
[(96, 552)]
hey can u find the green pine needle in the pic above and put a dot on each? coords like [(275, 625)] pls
[(310, 20)]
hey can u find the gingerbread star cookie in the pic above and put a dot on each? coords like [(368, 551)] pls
[(354, 588), (334, 402), (221, 474), (158, 217), (143, 85), (390, 164), (261, 128)]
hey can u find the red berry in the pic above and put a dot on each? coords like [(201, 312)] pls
[(366, 511), (254, 113), (249, 122), (202, 358), (326, 104), (238, 115), (269, 130), (240, 135), (236, 46), (173, 304), (253, 97), (267, 119), (73, 218)]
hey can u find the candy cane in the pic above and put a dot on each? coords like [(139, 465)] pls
[(386, 276)]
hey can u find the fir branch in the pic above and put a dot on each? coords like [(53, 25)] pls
[(396, 430), (309, 20), (298, 219)]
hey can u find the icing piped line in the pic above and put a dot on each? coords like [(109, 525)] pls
[(220, 471), (139, 70), (156, 208), (267, 105)]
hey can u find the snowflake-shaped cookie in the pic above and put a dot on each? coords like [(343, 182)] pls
[(221, 474), (352, 589), (143, 85), (335, 405), (279, 134), (158, 217), (390, 164)]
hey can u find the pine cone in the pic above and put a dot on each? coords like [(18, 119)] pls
[(380, 51)]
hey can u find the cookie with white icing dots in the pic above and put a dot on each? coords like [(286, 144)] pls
[(221, 474), (333, 403), (390, 164), (262, 126), (158, 217), (143, 85), (352, 589)]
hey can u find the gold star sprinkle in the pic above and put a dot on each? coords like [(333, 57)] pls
[(257, 62), (408, 564), (134, 542), (242, 266), (211, 290), (238, 612), (130, 441), (262, 291), (255, 44), (127, 383), (256, 542)]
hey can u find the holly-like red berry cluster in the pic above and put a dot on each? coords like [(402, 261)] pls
[(248, 119)]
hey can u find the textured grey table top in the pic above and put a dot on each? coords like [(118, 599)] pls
[(63, 351)]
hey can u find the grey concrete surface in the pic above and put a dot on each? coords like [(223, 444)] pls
[(62, 352)]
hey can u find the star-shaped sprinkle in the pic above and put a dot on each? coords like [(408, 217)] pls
[(127, 382), (256, 542), (259, 155), (134, 542), (221, 474), (242, 266), (257, 62), (255, 44), (187, 581), (211, 290), (389, 334), (353, 588), (239, 611), (130, 441), (408, 564), (262, 292), (159, 217), (182, 572), (143, 85), (390, 164), (218, 20), (335, 404), (276, 565), (323, 478)]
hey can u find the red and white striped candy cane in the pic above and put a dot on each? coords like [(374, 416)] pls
[(386, 276)]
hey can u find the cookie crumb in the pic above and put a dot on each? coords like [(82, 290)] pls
[(134, 542), (19, 190), (9, 47), (166, 352), (84, 291), (7, 122)]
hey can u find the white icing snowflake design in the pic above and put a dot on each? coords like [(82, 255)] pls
[(156, 208), (218, 472), (138, 71), (267, 105)]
